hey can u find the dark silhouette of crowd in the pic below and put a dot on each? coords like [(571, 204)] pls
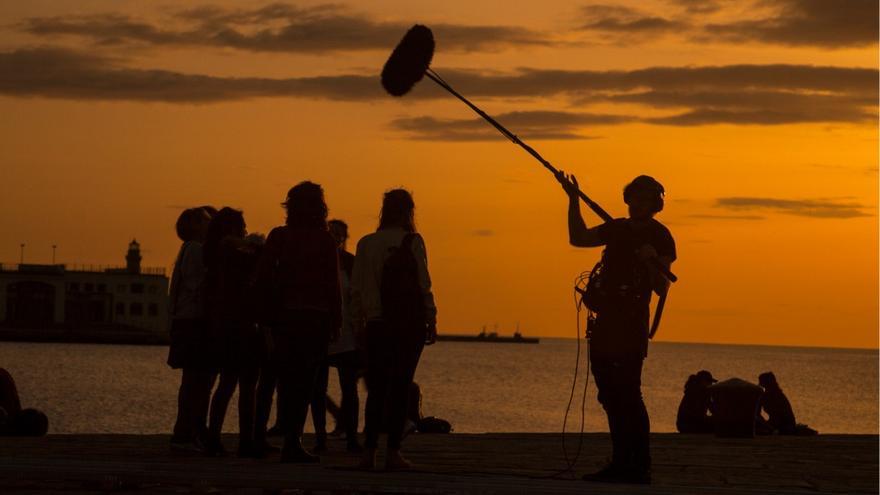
[(260, 314)]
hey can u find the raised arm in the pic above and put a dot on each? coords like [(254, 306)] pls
[(578, 233)]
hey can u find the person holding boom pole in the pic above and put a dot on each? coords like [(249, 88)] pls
[(619, 333), (639, 251)]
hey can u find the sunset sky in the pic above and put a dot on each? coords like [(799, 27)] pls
[(759, 117)]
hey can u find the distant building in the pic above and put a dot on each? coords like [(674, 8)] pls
[(85, 298)]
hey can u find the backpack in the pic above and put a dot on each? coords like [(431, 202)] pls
[(402, 299), (433, 425)]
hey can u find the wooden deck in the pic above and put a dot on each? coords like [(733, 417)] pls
[(447, 464)]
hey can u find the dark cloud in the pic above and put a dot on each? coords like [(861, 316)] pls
[(276, 27), (727, 217), (616, 19), (819, 208), (754, 107), (526, 82), (737, 94), (819, 23), (699, 6), (60, 73), (527, 125), (823, 23)]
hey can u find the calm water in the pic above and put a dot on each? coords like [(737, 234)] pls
[(478, 387)]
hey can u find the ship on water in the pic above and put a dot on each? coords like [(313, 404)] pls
[(490, 337)]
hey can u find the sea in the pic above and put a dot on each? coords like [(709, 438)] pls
[(477, 387)]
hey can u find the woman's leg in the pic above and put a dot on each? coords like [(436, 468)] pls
[(348, 378), (378, 374), (306, 337), (408, 347), (183, 427), (319, 405), (265, 392), (247, 391), (217, 413)]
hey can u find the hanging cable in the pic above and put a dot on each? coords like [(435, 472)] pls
[(579, 287)]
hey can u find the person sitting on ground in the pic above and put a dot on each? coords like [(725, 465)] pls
[(780, 415), (15, 421), (693, 411)]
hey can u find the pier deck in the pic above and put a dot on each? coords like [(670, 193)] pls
[(447, 464)]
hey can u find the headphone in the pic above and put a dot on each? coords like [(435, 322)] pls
[(645, 183)]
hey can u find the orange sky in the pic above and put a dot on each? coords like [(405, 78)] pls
[(760, 122)]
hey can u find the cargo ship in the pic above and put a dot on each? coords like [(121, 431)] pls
[(491, 337)]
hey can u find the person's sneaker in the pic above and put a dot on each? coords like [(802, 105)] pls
[(296, 454), (193, 447), (320, 443), (214, 448), (396, 462), (609, 474)]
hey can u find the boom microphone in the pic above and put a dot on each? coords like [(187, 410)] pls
[(411, 61)]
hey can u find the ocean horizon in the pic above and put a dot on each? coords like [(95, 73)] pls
[(478, 387)]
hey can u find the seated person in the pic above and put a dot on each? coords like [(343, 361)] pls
[(15, 421), (780, 415), (735, 403), (693, 411)]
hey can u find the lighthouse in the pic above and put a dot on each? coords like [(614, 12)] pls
[(133, 258)]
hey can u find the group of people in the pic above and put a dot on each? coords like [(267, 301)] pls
[(278, 312), (698, 408)]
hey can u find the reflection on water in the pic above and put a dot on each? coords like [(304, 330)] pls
[(478, 387)]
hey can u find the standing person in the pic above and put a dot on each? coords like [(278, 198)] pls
[(343, 355), (230, 258), (619, 334), (189, 332), (391, 296), (298, 276)]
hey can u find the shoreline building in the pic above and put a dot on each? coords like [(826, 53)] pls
[(48, 302)]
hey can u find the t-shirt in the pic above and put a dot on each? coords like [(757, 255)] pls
[(623, 329), (347, 340)]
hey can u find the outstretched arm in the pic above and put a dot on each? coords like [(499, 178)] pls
[(578, 233)]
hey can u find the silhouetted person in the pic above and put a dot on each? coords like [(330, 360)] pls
[(391, 296), (342, 354), (231, 260), (619, 333), (735, 403), (15, 421), (190, 337), (299, 277), (693, 411), (780, 415)]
